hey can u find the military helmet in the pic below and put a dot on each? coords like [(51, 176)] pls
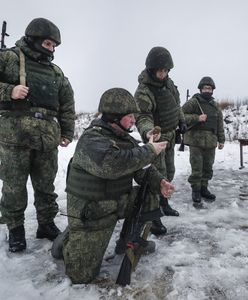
[(159, 58), (206, 81), (117, 101), (43, 28)]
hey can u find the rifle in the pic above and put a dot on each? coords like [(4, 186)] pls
[(181, 147), (3, 34), (132, 230), (187, 95)]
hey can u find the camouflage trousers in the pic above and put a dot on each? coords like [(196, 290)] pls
[(16, 165), (165, 163), (84, 248), (201, 161)]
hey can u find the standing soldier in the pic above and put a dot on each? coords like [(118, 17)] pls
[(99, 186), (206, 130), (36, 115), (159, 102)]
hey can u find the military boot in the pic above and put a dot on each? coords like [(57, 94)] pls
[(147, 247), (167, 209), (49, 231), (196, 197), (158, 228), (57, 246), (205, 193), (17, 241)]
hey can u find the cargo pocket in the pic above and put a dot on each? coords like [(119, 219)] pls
[(10, 131), (50, 135), (99, 214)]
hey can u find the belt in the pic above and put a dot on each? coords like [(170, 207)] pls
[(37, 115)]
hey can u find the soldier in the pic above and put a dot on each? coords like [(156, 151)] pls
[(99, 186), (206, 130), (159, 102), (36, 115)]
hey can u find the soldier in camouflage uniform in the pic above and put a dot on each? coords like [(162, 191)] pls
[(206, 131), (159, 102), (99, 185), (36, 115)]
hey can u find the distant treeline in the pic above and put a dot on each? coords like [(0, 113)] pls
[(226, 103), (235, 114)]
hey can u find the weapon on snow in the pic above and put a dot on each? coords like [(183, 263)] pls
[(3, 34), (131, 232)]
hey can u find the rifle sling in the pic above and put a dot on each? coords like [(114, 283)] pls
[(22, 72)]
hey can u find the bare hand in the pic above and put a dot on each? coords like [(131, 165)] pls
[(19, 92), (156, 132), (159, 146), (64, 142), (220, 146), (203, 118), (166, 188)]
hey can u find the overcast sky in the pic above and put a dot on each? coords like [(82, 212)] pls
[(105, 42)]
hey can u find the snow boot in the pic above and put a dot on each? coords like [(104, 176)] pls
[(205, 193), (17, 241), (49, 231), (57, 246), (196, 197), (158, 228), (147, 247), (167, 209)]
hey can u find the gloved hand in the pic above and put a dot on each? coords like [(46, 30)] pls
[(182, 127)]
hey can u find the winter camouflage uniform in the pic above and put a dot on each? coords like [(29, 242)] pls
[(160, 106), (202, 138), (100, 192), (30, 131), (159, 102)]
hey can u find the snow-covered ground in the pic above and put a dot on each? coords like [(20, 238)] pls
[(203, 256)]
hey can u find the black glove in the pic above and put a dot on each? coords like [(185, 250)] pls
[(182, 127)]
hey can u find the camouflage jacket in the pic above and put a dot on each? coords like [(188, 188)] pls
[(20, 129), (146, 100), (104, 157), (195, 136)]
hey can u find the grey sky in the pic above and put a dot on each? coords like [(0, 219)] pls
[(105, 42)]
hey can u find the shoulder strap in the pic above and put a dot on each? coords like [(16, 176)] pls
[(22, 72), (197, 101)]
